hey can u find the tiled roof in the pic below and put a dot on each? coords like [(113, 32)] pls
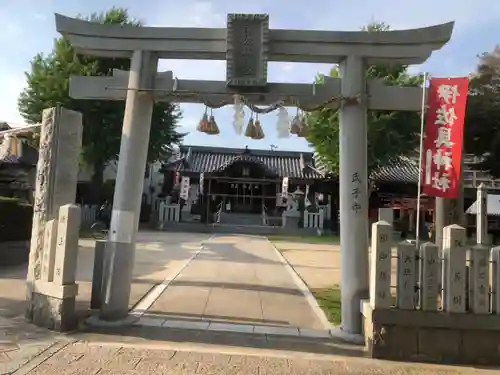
[(402, 169), (200, 159)]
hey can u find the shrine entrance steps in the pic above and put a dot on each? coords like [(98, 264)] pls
[(240, 219), (219, 228)]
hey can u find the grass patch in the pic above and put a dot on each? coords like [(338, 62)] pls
[(329, 300), (329, 239)]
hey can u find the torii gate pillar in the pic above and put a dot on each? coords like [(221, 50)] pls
[(353, 193), (120, 249)]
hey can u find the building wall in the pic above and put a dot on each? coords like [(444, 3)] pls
[(474, 177), (152, 181)]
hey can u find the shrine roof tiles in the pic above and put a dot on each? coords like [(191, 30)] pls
[(402, 170), (212, 159)]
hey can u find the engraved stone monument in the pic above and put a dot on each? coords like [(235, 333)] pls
[(430, 282), (380, 273), (57, 169), (406, 275)]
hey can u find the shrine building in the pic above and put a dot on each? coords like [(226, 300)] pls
[(245, 186)]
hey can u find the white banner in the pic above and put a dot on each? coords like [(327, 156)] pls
[(202, 178), (284, 187), (185, 188)]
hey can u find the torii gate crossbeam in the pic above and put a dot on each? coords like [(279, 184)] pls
[(247, 44)]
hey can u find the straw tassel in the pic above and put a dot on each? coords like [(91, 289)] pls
[(258, 132), (203, 124), (250, 130), (212, 128)]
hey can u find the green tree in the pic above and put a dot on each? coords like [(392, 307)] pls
[(390, 134), (48, 86), (482, 118)]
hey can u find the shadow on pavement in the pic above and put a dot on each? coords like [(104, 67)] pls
[(215, 318), (257, 341), (238, 286)]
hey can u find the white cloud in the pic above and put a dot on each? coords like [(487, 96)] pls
[(406, 15), (192, 13), (12, 85)]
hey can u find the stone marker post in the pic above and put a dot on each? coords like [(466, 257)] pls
[(454, 269), (380, 268), (479, 279), (54, 301), (406, 275), (57, 170), (429, 283), (49, 251), (482, 215), (495, 278), (454, 238)]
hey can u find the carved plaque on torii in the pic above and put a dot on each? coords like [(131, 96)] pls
[(247, 50)]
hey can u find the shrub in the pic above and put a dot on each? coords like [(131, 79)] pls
[(15, 220)]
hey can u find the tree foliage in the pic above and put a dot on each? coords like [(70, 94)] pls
[(482, 119), (390, 134), (48, 86)]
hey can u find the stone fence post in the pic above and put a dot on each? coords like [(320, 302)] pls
[(406, 275), (495, 278), (380, 267), (429, 283), (454, 269), (479, 279)]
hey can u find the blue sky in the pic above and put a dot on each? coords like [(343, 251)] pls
[(28, 28)]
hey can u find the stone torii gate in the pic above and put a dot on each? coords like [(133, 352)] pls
[(247, 44)]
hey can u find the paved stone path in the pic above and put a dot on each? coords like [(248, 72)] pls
[(157, 256), (82, 358), (237, 279), (20, 342)]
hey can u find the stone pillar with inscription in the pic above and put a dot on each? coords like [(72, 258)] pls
[(57, 170), (454, 238), (454, 269), (353, 193), (380, 268), (429, 282), (495, 280), (482, 215), (406, 275), (479, 279), (53, 296)]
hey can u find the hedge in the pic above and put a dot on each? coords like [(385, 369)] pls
[(16, 219)]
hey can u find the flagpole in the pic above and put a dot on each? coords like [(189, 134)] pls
[(421, 153)]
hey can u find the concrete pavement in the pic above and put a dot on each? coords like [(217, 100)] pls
[(238, 280), (85, 358), (318, 264), (157, 255)]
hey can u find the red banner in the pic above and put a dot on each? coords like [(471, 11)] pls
[(443, 136)]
